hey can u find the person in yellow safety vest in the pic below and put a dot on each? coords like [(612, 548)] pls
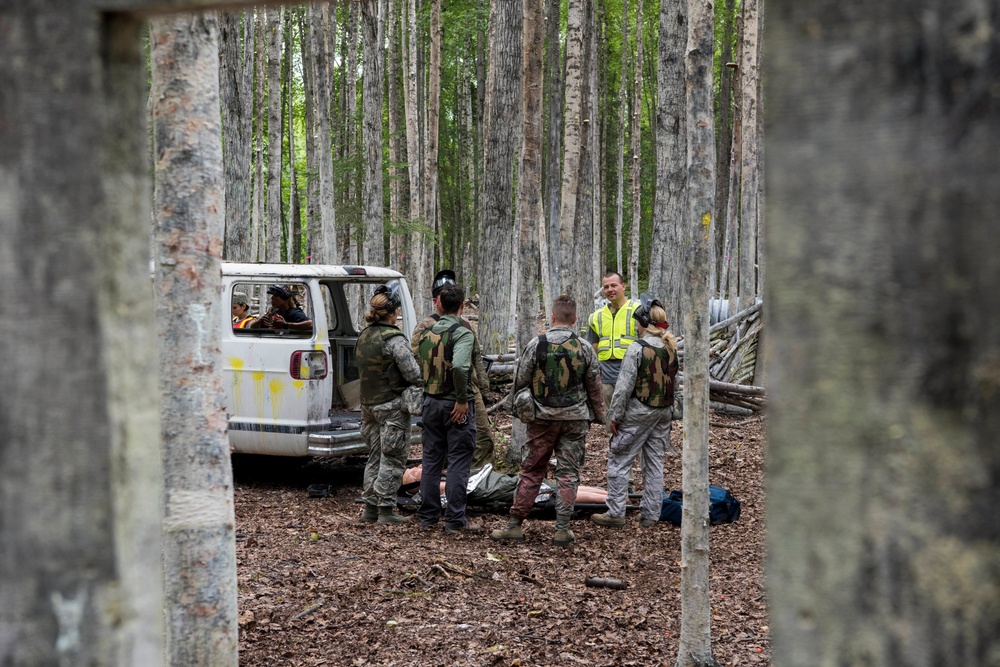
[(611, 330)]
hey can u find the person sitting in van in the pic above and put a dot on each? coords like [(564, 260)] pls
[(241, 311), (284, 313)]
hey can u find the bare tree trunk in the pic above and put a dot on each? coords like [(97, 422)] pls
[(695, 646), (571, 142), (749, 178), (307, 48), (670, 229), (583, 234), (294, 253), (882, 283), (723, 148), (416, 239), (433, 122), (199, 523), (598, 88), (80, 474), (273, 222), (374, 246), (636, 135), (260, 93), (553, 153), (349, 187), (622, 122), (322, 236), (394, 95), (730, 251), (502, 101), (236, 87)]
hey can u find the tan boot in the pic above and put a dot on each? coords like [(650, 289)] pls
[(563, 537), (608, 521), (369, 514), (387, 516), (511, 533)]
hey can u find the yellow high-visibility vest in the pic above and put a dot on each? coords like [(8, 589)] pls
[(615, 332)]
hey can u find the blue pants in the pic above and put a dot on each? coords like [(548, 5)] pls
[(445, 445)]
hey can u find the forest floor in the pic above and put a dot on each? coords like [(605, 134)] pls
[(316, 587)]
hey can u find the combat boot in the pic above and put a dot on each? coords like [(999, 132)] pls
[(511, 533), (369, 514), (608, 521), (387, 516), (563, 537)]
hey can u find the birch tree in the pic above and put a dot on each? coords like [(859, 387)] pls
[(553, 146), (322, 232), (294, 255), (497, 219), (571, 142), (886, 383), (749, 176), (670, 229), (433, 123), (695, 647), (199, 522), (80, 473), (622, 122)]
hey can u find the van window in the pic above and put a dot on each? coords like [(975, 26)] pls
[(259, 302)]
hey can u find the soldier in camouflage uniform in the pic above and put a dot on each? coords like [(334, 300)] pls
[(640, 416), (565, 380), (444, 352), (485, 443), (386, 367)]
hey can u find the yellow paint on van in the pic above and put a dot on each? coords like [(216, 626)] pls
[(277, 397), (237, 365), (258, 391), (298, 385)]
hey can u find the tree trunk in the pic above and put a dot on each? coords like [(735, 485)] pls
[(416, 239), (350, 138), (273, 221), (583, 235), (374, 246), (294, 253), (571, 142), (695, 646), (622, 122), (322, 236), (636, 134), (670, 229), (553, 153), (502, 101), (882, 278), (260, 93), (723, 148), (749, 177), (433, 122), (80, 475), (236, 87), (199, 551), (307, 48), (394, 95)]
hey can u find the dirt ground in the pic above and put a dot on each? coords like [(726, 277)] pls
[(316, 587)]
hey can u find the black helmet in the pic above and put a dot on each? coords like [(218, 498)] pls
[(641, 314), (391, 290), (443, 277)]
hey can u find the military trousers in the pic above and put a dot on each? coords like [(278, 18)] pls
[(445, 444), (568, 441), (485, 444), (386, 429), (651, 438)]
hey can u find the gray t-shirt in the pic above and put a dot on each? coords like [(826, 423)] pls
[(610, 368)]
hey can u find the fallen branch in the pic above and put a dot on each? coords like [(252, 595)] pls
[(308, 610)]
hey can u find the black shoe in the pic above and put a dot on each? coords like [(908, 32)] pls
[(427, 525)]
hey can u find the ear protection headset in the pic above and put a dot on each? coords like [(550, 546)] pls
[(641, 314), (391, 290)]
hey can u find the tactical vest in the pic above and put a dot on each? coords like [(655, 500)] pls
[(615, 332), (381, 380), (559, 372), (434, 353), (654, 381)]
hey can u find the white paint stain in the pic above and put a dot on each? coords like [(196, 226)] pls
[(69, 613), (198, 315), (197, 509)]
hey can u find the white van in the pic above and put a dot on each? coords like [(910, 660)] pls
[(295, 392)]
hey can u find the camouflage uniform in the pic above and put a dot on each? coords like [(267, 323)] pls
[(444, 352), (485, 443), (566, 387), (643, 425), (386, 367)]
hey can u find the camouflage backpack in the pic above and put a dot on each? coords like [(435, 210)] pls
[(654, 381), (559, 372), (434, 353), (381, 380)]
